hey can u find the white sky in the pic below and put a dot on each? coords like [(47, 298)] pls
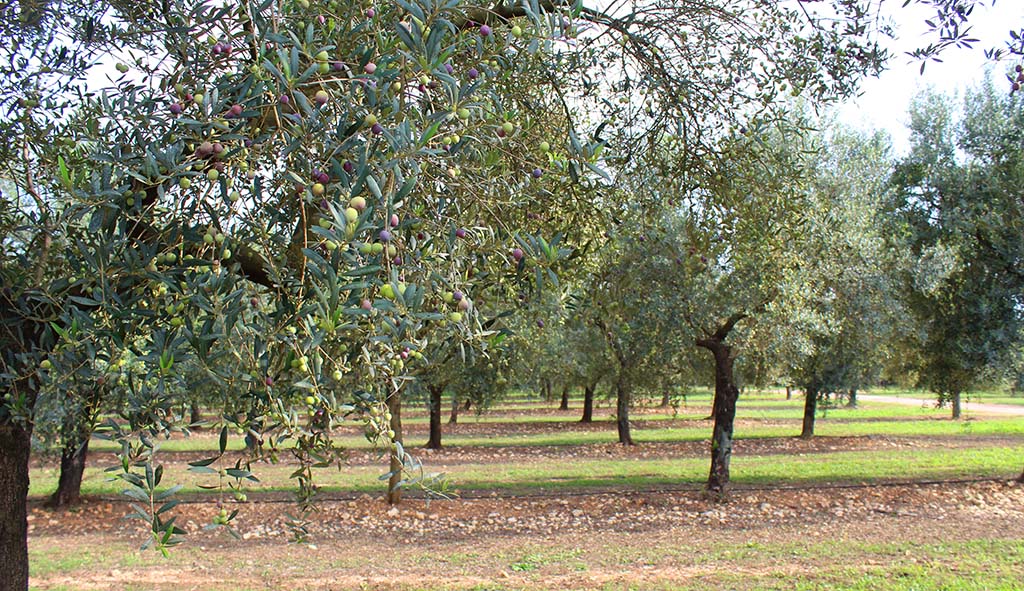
[(885, 100)]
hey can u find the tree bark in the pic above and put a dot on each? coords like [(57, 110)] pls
[(395, 467), (789, 392), (195, 415), (726, 395), (565, 399), (453, 418), (622, 396), (72, 468), (434, 442), (467, 405), (851, 401), (665, 398), (15, 446), (588, 404), (957, 407), (810, 410), (546, 389)]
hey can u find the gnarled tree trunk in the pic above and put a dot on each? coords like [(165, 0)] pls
[(810, 410), (15, 446), (434, 442), (395, 467), (565, 399), (72, 468), (588, 404), (726, 395)]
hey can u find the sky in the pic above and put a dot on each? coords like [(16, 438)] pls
[(885, 100)]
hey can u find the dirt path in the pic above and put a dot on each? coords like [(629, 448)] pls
[(979, 407)]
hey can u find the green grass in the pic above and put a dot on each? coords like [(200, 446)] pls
[(581, 473)]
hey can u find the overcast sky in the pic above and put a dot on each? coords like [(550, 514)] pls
[(885, 100)]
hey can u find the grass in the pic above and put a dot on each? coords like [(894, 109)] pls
[(949, 449), (772, 415), (802, 564), (584, 473)]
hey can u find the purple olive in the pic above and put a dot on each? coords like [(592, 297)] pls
[(537, 173), (323, 177), (377, 129), (485, 31), (473, 74), (269, 381), (517, 254), (284, 99), (457, 295), (460, 233), (348, 166), (366, 304), (370, 13), (385, 236), (448, 68), (176, 108), (540, 324), (394, 220), (235, 110)]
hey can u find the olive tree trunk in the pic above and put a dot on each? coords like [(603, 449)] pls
[(434, 442), (810, 410), (588, 404), (195, 415), (851, 399), (724, 404), (395, 467), (15, 446), (72, 468), (622, 401), (565, 399), (957, 407), (453, 418)]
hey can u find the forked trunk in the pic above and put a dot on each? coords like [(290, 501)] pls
[(957, 408), (72, 468), (588, 404), (622, 402), (565, 399), (15, 445), (395, 467), (810, 410), (434, 442), (726, 395)]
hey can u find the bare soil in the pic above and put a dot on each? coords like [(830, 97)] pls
[(570, 541), (562, 540)]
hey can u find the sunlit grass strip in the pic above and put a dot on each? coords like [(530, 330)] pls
[(699, 431), (558, 474)]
